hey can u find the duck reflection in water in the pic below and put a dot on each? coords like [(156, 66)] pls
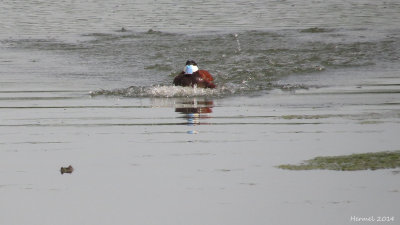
[(194, 111)]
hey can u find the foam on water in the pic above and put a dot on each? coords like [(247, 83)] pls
[(164, 91)]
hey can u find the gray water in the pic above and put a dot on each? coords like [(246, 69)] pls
[(246, 45), (47, 18), (89, 84)]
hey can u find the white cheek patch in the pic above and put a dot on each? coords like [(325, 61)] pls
[(190, 69)]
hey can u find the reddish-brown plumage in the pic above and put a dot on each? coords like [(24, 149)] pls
[(206, 75), (200, 78)]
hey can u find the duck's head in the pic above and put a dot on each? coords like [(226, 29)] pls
[(191, 67)]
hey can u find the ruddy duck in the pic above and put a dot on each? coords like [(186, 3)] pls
[(192, 76)]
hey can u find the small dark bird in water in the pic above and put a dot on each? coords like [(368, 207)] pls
[(68, 169), (192, 76)]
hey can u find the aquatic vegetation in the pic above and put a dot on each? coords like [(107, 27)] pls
[(291, 117), (366, 161), (370, 122), (315, 30)]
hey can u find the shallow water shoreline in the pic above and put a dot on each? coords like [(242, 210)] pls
[(200, 159)]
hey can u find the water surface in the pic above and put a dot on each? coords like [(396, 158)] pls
[(296, 80)]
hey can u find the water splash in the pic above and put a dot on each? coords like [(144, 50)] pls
[(161, 91), (239, 49)]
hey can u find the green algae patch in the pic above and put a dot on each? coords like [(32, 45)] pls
[(366, 161)]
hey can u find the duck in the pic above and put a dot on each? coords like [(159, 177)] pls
[(68, 169), (191, 76)]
